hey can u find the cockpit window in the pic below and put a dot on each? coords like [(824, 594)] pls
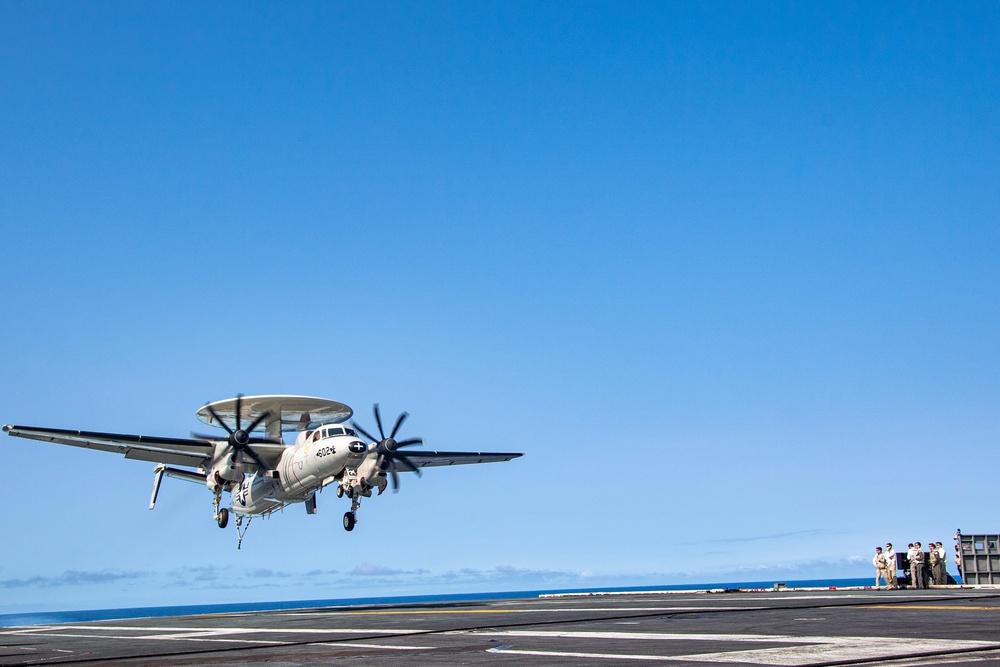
[(350, 432)]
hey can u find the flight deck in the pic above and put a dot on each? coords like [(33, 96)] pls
[(813, 627)]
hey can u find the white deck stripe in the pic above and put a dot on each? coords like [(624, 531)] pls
[(848, 648), (380, 646), (581, 656), (805, 650), (660, 636)]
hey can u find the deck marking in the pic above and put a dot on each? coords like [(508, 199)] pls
[(271, 642), (433, 612), (803, 650), (379, 646), (930, 606), (417, 612), (582, 656), (656, 636), (47, 630)]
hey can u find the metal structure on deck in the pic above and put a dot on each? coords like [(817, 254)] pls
[(980, 558)]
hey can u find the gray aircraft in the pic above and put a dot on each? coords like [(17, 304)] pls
[(261, 472)]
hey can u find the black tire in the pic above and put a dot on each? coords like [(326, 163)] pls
[(340, 491), (349, 521), (223, 518)]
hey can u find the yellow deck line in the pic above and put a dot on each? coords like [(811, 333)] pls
[(434, 611)]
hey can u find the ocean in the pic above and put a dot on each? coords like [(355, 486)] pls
[(49, 617)]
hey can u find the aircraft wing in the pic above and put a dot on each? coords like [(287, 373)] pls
[(427, 459), (173, 451)]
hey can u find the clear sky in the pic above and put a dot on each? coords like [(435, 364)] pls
[(727, 273)]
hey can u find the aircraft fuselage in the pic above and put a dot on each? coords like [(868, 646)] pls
[(304, 468)]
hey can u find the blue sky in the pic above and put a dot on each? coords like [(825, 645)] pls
[(725, 272)]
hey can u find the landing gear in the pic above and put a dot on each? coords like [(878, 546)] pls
[(216, 499), (350, 518), (241, 530), (222, 517), (340, 491)]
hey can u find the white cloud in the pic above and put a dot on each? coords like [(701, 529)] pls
[(74, 578)]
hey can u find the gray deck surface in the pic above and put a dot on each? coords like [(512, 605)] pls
[(768, 628)]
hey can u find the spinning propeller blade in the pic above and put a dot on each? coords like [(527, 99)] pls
[(378, 420), (399, 422), (239, 441), (389, 458), (363, 432)]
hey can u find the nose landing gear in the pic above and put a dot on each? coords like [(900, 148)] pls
[(351, 518)]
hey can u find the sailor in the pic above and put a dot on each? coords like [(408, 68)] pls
[(917, 566), (881, 568), (908, 563), (890, 561), (943, 555), (934, 562)]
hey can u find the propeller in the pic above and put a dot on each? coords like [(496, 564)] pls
[(239, 440), (389, 458)]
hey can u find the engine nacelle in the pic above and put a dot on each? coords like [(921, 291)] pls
[(224, 475), (370, 475)]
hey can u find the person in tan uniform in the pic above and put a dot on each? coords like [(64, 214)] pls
[(934, 562), (917, 566)]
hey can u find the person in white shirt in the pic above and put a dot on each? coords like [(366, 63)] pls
[(881, 568), (890, 560)]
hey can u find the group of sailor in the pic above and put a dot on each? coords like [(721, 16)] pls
[(921, 568)]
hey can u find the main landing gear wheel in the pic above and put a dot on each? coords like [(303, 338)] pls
[(340, 492), (349, 521), (223, 518)]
